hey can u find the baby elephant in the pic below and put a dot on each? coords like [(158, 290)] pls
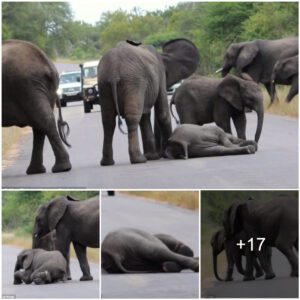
[(40, 266), (189, 141), (134, 251)]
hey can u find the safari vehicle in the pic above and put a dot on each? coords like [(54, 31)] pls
[(89, 85), (69, 88)]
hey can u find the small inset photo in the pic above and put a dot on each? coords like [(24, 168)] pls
[(249, 244), (150, 244), (50, 244)]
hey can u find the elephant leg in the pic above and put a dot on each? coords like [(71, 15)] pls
[(258, 270), (268, 87), (237, 141), (225, 125), (148, 137), (36, 163), (171, 267), (22, 276), (230, 263), (264, 257), (293, 90), (109, 125), (249, 264), (41, 277), (239, 121), (84, 265), (290, 255), (135, 153)]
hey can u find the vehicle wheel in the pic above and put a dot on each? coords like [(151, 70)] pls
[(87, 107), (63, 103)]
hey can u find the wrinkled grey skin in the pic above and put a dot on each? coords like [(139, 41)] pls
[(130, 250), (286, 71), (257, 58), (190, 141), (29, 85), (276, 220), (40, 266), (233, 254), (75, 222), (200, 100), (133, 79)]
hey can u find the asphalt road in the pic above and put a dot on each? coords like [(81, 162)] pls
[(282, 286), (275, 165), (153, 217), (69, 289)]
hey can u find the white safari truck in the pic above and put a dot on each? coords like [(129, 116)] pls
[(89, 85)]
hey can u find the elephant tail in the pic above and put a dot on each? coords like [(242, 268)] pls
[(115, 97), (63, 126), (172, 102)]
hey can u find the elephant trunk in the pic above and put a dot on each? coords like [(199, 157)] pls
[(260, 120), (273, 91), (215, 263)]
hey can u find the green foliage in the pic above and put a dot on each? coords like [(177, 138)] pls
[(19, 208)]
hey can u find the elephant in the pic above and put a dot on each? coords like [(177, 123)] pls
[(129, 250), (276, 220), (40, 266), (74, 221), (257, 58), (29, 85), (285, 71), (132, 79), (200, 100), (190, 141), (233, 254)]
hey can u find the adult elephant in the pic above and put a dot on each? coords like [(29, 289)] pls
[(286, 71), (132, 79), (257, 58), (29, 85), (75, 222), (200, 100), (190, 141), (40, 266), (130, 250), (276, 220), (233, 254)]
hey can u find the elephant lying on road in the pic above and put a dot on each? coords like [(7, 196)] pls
[(200, 100), (133, 78), (276, 220), (189, 141), (286, 71), (134, 251), (40, 266), (74, 221), (233, 254), (257, 58), (29, 85)]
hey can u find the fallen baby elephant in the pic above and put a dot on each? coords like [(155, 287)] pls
[(40, 266), (135, 251), (190, 141)]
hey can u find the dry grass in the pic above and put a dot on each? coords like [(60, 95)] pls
[(25, 243), (189, 200), (281, 108)]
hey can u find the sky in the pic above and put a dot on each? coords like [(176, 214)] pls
[(90, 11)]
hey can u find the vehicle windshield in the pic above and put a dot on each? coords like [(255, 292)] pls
[(69, 78), (90, 72)]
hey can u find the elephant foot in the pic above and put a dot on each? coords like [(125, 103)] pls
[(171, 267), (251, 149), (185, 250), (248, 278), (61, 167), (138, 159), (17, 281), (107, 162), (38, 281), (86, 277), (270, 276), (294, 273), (228, 279), (152, 156), (35, 169), (69, 278), (259, 274)]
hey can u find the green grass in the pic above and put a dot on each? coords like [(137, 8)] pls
[(189, 200)]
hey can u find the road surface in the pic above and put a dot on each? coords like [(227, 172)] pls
[(282, 286), (69, 289), (127, 211)]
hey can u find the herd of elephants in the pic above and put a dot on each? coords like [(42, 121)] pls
[(133, 78)]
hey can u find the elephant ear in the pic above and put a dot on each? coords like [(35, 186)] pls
[(229, 89), (234, 218), (246, 56), (70, 198), (181, 59), (27, 257), (55, 211)]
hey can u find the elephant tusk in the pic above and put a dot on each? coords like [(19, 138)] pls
[(219, 70), (36, 235)]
